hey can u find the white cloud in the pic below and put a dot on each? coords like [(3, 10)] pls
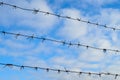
[(62, 60), (92, 56), (110, 16), (72, 29), (100, 2), (40, 22), (104, 43), (33, 61)]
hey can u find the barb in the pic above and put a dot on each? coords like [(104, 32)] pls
[(59, 70), (36, 11), (58, 41)]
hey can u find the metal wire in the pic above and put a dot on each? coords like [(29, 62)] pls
[(43, 39), (59, 70), (36, 11)]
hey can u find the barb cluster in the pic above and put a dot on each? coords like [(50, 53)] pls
[(59, 70), (35, 11), (43, 39)]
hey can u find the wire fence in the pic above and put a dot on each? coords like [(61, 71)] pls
[(43, 39)]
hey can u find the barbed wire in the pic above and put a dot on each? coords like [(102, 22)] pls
[(36, 11), (43, 39), (21, 67)]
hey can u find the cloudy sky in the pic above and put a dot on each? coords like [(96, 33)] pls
[(34, 52)]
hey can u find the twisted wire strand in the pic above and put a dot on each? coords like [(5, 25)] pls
[(59, 70), (43, 39), (58, 15)]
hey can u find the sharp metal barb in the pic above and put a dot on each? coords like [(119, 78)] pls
[(47, 13), (35, 11), (67, 71), (47, 69), (97, 24), (31, 37), (78, 44), (59, 70), (43, 39), (1, 3), (105, 26), (17, 35), (88, 22), (117, 51), (36, 68), (78, 19), (70, 44), (89, 73), (58, 15), (99, 74), (22, 67), (3, 32), (80, 73), (108, 73), (87, 47), (68, 17), (63, 42), (104, 50), (14, 6), (113, 29), (116, 75)]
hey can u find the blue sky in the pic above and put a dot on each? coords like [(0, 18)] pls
[(48, 54)]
